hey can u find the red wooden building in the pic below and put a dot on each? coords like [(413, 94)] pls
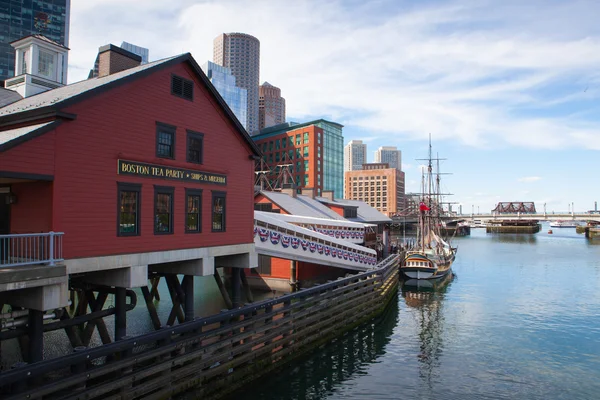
[(144, 169)]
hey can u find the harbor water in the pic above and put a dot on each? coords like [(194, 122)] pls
[(520, 320)]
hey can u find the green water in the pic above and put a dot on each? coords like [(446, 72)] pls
[(520, 320)]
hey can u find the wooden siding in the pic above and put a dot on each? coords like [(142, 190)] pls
[(33, 211), (121, 124), (35, 156)]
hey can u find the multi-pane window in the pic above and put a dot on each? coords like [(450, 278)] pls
[(165, 140), (298, 154), (24, 56), (306, 151), (291, 154), (291, 138), (193, 210), (305, 137), (46, 64), (277, 157), (195, 144), (163, 209), (128, 219), (271, 145), (305, 165), (218, 211), (284, 143), (298, 140), (277, 144)]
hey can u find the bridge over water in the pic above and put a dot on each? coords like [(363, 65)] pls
[(413, 219)]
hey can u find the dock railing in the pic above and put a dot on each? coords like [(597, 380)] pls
[(31, 249), (212, 355)]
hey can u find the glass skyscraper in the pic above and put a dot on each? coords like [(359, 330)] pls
[(314, 152), (27, 17), (140, 51), (333, 157), (235, 97)]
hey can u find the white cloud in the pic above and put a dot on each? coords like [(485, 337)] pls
[(529, 179), (456, 69)]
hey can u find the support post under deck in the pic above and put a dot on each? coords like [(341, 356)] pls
[(236, 283), (188, 289), (36, 336), (293, 269), (120, 314)]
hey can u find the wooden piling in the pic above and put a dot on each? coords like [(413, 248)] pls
[(223, 290)]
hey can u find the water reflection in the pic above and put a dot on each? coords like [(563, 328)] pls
[(514, 238), (426, 299), (316, 376)]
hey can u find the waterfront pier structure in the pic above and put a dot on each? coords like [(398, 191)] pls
[(121, 195), (118, 192)]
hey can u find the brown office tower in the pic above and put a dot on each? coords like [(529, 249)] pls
[(241, 54), (271, 106), (378, 185)]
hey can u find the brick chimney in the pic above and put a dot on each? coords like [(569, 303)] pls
[(290, 191), (328, 194), (310, 192), (112, 59)]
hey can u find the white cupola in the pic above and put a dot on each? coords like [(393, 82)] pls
[(40, 65)]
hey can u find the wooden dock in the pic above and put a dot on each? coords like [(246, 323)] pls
[(210, 357)]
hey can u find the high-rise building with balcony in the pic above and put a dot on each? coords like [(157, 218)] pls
[(355, 155), (271, 106), (240, 52), (390, 155), (19, 19), (225, 83)]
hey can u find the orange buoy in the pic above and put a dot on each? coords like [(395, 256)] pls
[(550, 232)]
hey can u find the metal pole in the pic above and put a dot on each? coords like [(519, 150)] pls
[(36, 336), (120, 314), (51, 238), (188, 288)]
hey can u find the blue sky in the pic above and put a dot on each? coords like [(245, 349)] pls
[(508, 90)]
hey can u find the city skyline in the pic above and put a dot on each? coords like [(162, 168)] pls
[(240, 52), (508, 96)]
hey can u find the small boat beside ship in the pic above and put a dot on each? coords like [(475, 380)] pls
[(564, 224), (431, 258)]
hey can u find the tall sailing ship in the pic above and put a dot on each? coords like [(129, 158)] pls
[(432, 257)]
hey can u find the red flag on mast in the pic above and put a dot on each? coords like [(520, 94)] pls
[(423, 207)]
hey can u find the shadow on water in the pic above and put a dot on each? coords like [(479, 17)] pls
[(316, 375), (513, 238), (426, 302)]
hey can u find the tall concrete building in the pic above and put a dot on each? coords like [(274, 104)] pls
[(390, 155), (355, 155), (240, 52), (235, 97), (271, 106), (19, 19)]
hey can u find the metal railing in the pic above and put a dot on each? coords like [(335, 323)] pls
[(31, 249)]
